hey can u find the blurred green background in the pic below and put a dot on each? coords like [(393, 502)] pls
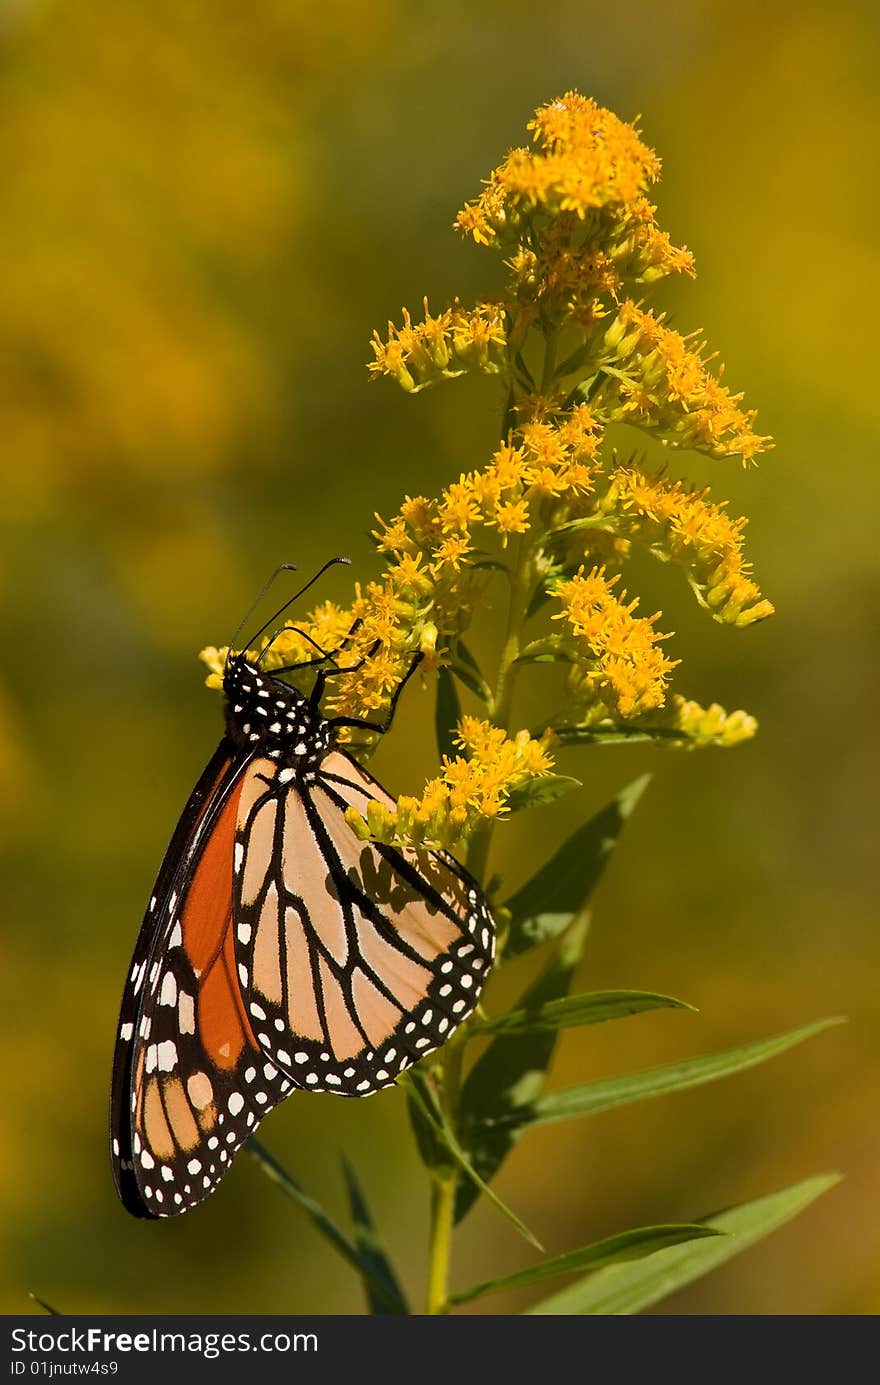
[(207, 208)]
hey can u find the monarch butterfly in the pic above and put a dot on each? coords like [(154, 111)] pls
[(279, 952)]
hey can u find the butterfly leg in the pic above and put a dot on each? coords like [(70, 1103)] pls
[(362, 723), (325, 655)]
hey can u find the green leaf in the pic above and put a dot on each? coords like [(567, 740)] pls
[(553, 571), (47, 1307), (538, 599), (574, 362), (424, 1098), (511, 1071), (545, 657), (585, 390), (593, 1007), (627, 1289), (447, 713), (433, 1152), (526, 373), (546, 905), (322, 1221), (672, 1077), (629, 1245), (489, 564), (619, 733), (537, 792), (368, 1243), (576, 526), (468, 670)]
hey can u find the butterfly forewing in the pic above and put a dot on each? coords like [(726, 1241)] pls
[(190, 1081), (358, 958)]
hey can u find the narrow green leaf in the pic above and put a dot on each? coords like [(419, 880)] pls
[(535, 793), (432, 1151), (593, 1007), (626, 1289), (629, 1245), (546, 905), (511, 1072), (425, 1100), (539, 598), (574, 362), (369, 1244), (576, 526), (523, 368), (673, 1077), (489, 564), (320, 1219), (545, 656), (618, 733), (585, 390), (47, 1307), (447, 713), (468, 670), (469, 681)]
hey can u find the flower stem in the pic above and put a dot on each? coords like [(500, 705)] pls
[(442, 1215), (522, 579), (500, 709)]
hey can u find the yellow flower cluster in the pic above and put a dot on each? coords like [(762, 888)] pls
[(584, 158), (472, 787), (545, 459), (682, 526), (442, 346), (618, 665), (659, 380), (572, 210), (705, 726), (574, 353)]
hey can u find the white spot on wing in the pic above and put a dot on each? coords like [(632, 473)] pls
[(186, 1012)]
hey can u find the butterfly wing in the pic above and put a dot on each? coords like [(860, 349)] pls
[(190, 1081), (357, 958)]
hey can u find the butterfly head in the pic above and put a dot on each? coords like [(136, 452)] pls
[(270, 716)]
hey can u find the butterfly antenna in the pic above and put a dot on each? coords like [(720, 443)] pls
[(296, 595), (282, 567), (296, 630)]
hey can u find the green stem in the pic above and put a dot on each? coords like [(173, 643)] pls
[(501, 705), (551, 342), (442, 1216), (520, 590)]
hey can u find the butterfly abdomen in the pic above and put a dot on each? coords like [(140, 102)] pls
[(264, 714)]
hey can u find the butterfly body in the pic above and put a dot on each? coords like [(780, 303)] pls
[(261, 710), (279, 952)]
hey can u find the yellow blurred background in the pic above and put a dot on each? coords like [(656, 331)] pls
[(207, 208)]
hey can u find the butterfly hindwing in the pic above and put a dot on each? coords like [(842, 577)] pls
[(358, 958)]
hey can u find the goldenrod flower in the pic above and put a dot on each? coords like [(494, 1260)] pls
[(575, 352), (617, 661), (704, 726), (585, 158), (683, 526), (657, 379), (471, 788), (420, 353)]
